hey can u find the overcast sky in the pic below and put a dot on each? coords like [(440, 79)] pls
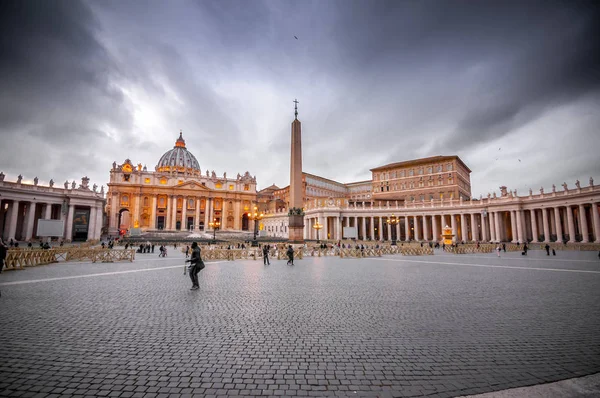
[(513, 88)]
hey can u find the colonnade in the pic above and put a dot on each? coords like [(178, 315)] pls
[(567, 223), (19, 218)]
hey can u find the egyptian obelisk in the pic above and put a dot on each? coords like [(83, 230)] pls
[(296, 214)]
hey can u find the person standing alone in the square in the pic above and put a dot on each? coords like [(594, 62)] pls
[(265, 250), (196, 265)]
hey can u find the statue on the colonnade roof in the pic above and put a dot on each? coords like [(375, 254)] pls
[(73, 185), (1, 176), (564, 185), (35, 181), (577, 184), (51, 183), (66, 184), (94, 187), (591, 181), (19, 178)]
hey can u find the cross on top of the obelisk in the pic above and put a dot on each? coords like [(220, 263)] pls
[(296, 107)]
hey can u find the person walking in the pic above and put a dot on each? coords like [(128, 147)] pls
[(187, 251), (196, 265), (290, 254), (498, 249), (525, 248), (547, 247), (265, 250), (3, 252)]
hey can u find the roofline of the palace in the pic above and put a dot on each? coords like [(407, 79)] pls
[(323, 178), (421, 161)]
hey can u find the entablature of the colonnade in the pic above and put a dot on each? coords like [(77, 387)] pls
[(509, 203)]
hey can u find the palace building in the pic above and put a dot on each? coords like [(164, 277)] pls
[(177, 196)]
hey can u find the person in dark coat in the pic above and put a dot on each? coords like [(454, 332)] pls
[(196, 265), (547, 247), (3, 252), (266, 255), (290, 254)]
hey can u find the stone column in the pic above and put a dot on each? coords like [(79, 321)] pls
[(484, 228), (497, 226), (114, 207), (364, 228), (520, 226), (492, 223), (168, 212), (99, 222), (184, 214), (48, 211), (463, 228), (596, 219), (571, 224), (454, 229), (389, 230), (136, 211), (69, 233), (380, 228), (237, 214), (92, 224), (152, 224), (372, 220), (397, 227), (416, 227), (513, 226), (546, 225), (425, 229), (173, 212), (436, 234), (207, 215), (474, 229), (338, 228), (30, 221), (559, 234), (534, 227), (583, 222), (406, 229), (197, 215)]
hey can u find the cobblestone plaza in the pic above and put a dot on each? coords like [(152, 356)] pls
[(443, 325)]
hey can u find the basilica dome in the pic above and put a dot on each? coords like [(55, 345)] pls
[(178, 159)]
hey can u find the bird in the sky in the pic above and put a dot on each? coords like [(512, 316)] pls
[(519, 160), (295, 38), (499, 148)]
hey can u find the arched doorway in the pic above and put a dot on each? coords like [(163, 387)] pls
[(124, 223), (245, 222)]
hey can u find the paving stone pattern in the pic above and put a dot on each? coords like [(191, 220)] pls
[(324, 327)]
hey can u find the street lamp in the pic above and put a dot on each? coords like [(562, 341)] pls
[(393, 221), (256, 216), (214, 225), (317, 226)]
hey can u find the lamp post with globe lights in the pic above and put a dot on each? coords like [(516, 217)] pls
[(317, 227), (214, 225), (393, 221), (256, 216)]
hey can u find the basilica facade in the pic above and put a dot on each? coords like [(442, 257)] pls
[(177, 196)]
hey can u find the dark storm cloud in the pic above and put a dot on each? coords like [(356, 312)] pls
[(526, 56), (86, 83), (56, 87)]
